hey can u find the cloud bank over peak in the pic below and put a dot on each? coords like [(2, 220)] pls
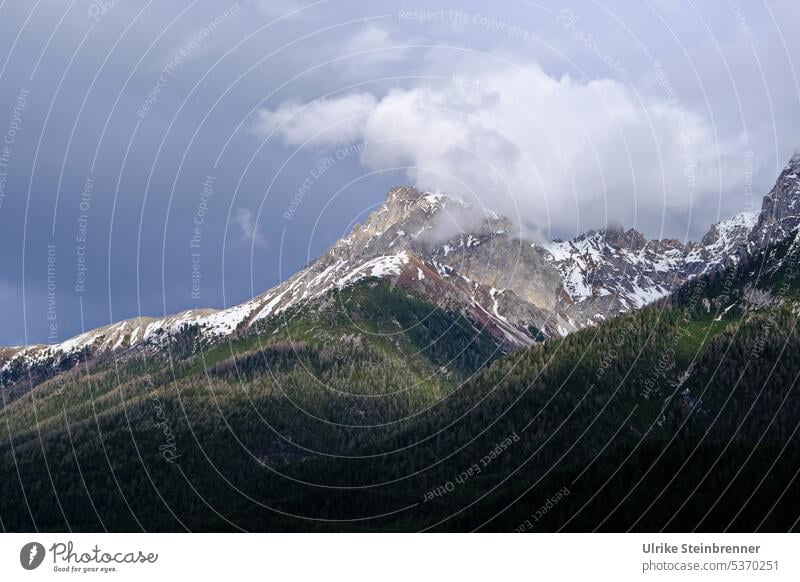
[(555, 154), (321, 123)]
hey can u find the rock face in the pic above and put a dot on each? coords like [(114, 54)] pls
[(780, 209), (437, 246)]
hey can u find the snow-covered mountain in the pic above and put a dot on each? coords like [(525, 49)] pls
[(440, 248)]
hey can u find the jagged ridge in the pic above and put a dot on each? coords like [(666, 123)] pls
[(519, 291)]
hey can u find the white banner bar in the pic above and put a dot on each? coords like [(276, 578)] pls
[(400, 557)]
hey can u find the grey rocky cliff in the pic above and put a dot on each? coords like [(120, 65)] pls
[(780, 209)]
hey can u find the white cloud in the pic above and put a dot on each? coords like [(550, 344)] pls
[(325, 122), (370, 48), (556, 154), (249, 232)]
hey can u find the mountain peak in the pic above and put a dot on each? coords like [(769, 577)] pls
[(779, 209), (793, 164), (737, 227), (402, 194), (403, 203), (631, 239)]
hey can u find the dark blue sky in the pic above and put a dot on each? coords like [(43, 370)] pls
[(262, 130)]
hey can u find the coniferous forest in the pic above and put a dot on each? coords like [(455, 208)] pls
[(381, 412)]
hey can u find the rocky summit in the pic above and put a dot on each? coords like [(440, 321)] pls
[(518, 290)]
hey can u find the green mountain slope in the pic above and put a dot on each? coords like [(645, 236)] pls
[(377, 411)]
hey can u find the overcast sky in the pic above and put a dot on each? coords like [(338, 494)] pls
[(148, 143)]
